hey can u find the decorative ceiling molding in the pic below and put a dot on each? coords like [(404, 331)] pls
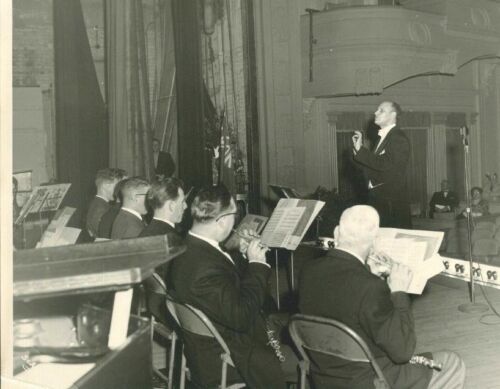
[(363, 50)]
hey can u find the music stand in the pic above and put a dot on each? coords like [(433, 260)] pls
[(42, 199)]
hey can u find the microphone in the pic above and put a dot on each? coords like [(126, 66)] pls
[(464, 132)]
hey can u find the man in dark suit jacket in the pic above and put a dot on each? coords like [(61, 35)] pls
[(128, 222), (443, 201), (385, 167), (167, 200), (105, 181), (230, 294), (341, 286), (163, 161)]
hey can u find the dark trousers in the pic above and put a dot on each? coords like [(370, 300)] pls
[(393, 213)]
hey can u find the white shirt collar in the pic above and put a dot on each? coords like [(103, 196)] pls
[(165, 221), (135, 213), (213, 243), (384, 131), (102, 198), (353, 254)]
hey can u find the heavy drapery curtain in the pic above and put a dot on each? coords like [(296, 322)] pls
[(128, 97), (161, 62), (194, 160), (82, 138)]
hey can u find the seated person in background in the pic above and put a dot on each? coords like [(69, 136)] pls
[(163, 161), (443, 201), (231, 292), (479, 206), (105, 181), (128, 222), (341, 286), (166, 198)]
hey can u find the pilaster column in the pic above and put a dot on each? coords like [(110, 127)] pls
[(332, 154), (436, 151)]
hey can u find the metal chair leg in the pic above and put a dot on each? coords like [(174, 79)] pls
[(183, 372), (277, 280), (171, 361)]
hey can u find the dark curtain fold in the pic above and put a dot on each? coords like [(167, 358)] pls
[(129, 109), (194, 160), (81, 133), (417, 167)]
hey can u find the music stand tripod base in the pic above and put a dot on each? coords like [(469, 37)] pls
[(473, 308)]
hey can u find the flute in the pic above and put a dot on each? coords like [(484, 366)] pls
[(249, 238)]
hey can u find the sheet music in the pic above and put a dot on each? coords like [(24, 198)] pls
[(289, 222), (417, 249)]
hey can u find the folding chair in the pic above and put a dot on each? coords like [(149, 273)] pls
[(193, 320), (330, 337), (156, 292)]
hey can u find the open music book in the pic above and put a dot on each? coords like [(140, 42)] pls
[(415, 248), (289, 222)]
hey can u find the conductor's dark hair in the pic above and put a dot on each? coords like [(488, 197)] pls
[(210, 203), (163, 190), (396, 108)]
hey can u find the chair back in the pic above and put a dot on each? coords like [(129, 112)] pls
[(331, 337), (155, 284), (193, 320)]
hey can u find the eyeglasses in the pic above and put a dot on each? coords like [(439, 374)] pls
[(225, 214)]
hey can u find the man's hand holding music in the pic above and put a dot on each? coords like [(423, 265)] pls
[(399, 278)]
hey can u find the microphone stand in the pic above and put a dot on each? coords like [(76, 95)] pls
[(472, 306)]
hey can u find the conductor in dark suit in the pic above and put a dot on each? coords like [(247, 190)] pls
[(166, 198), (163, 161), (370, 299), (230, 292), (128, 223), (385, 167)]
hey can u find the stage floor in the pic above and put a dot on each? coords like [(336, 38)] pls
[(441, 326)]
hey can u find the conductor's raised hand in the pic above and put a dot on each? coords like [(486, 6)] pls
[(256, 251), (357, 140)]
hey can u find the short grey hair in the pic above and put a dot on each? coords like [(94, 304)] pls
[(358, 226)]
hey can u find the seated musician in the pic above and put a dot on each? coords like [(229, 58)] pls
[(105, 181), (166, 198), (231, 291), (369, 298), (443, 201), (128, 223)]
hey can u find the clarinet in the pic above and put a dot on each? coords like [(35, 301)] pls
[(430, 363), (274, 343)]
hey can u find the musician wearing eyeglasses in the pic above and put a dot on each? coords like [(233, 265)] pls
[(231, 291), (128, 222)]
